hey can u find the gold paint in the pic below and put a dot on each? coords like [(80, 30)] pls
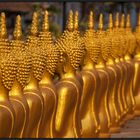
[(3, 32), (45, 25), (69, 25), (129, 70), (12, 120), (128, 57), (90, 22), (113, 71), (47, 87), (104, 116), (17, 31), (32, 92), (76, 26), (100, 25), (123, 66), (137, 68), (45, 37), (91, 82), (34, 27), (97, 84), (71, 54), (17, 97), (4, 43), (117, 53), (7, 75)]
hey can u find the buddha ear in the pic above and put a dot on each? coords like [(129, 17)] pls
[(65, 62), (86, 52), (85, 57)]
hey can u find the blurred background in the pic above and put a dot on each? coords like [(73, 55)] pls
[(58, 12)]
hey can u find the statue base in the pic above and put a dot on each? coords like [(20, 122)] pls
[(115, 129), (104, 135), (130, 116), (137, 113)]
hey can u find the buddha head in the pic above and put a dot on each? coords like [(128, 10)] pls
[(22, 57), (123, 39), (45, 35), (8, 69), (90, 41), (47, 47), (137, 34), (37, 54), (116, 39), (71, 49), (103, 40), (76, 25), (130, 36), (8, 63), (112, 39)]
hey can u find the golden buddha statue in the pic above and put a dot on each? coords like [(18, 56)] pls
[(128, 58), (31, 91), (132, 38), (8, 67), (123, 68), (77, 35), (114, 107), (76, 24), (44, 35), (128, 70), (137, 68), (89, 109), (67, 119), (46, 84), (4, 43), (16, 94), (118, 54), (104, 115)]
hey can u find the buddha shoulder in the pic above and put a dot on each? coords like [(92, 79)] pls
[(66, 87)]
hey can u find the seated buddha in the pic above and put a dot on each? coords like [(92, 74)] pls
[(31, 90), (67, 118), (16, 94), (8, 67), (46, 84), (89, 109), (104, 116), (137, 68), (131, 43), (114, 98)]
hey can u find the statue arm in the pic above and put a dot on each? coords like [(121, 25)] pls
[(62, 107)]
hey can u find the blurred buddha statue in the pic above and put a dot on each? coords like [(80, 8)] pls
[(114, 107), (8, 67), (137, 68), (118, 54), (67, 119), (89, 108), (17, 96), (131, 44), (104, 115), (123, 69), (124, 45), (32, 92), (46, 84), (78, 35)]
